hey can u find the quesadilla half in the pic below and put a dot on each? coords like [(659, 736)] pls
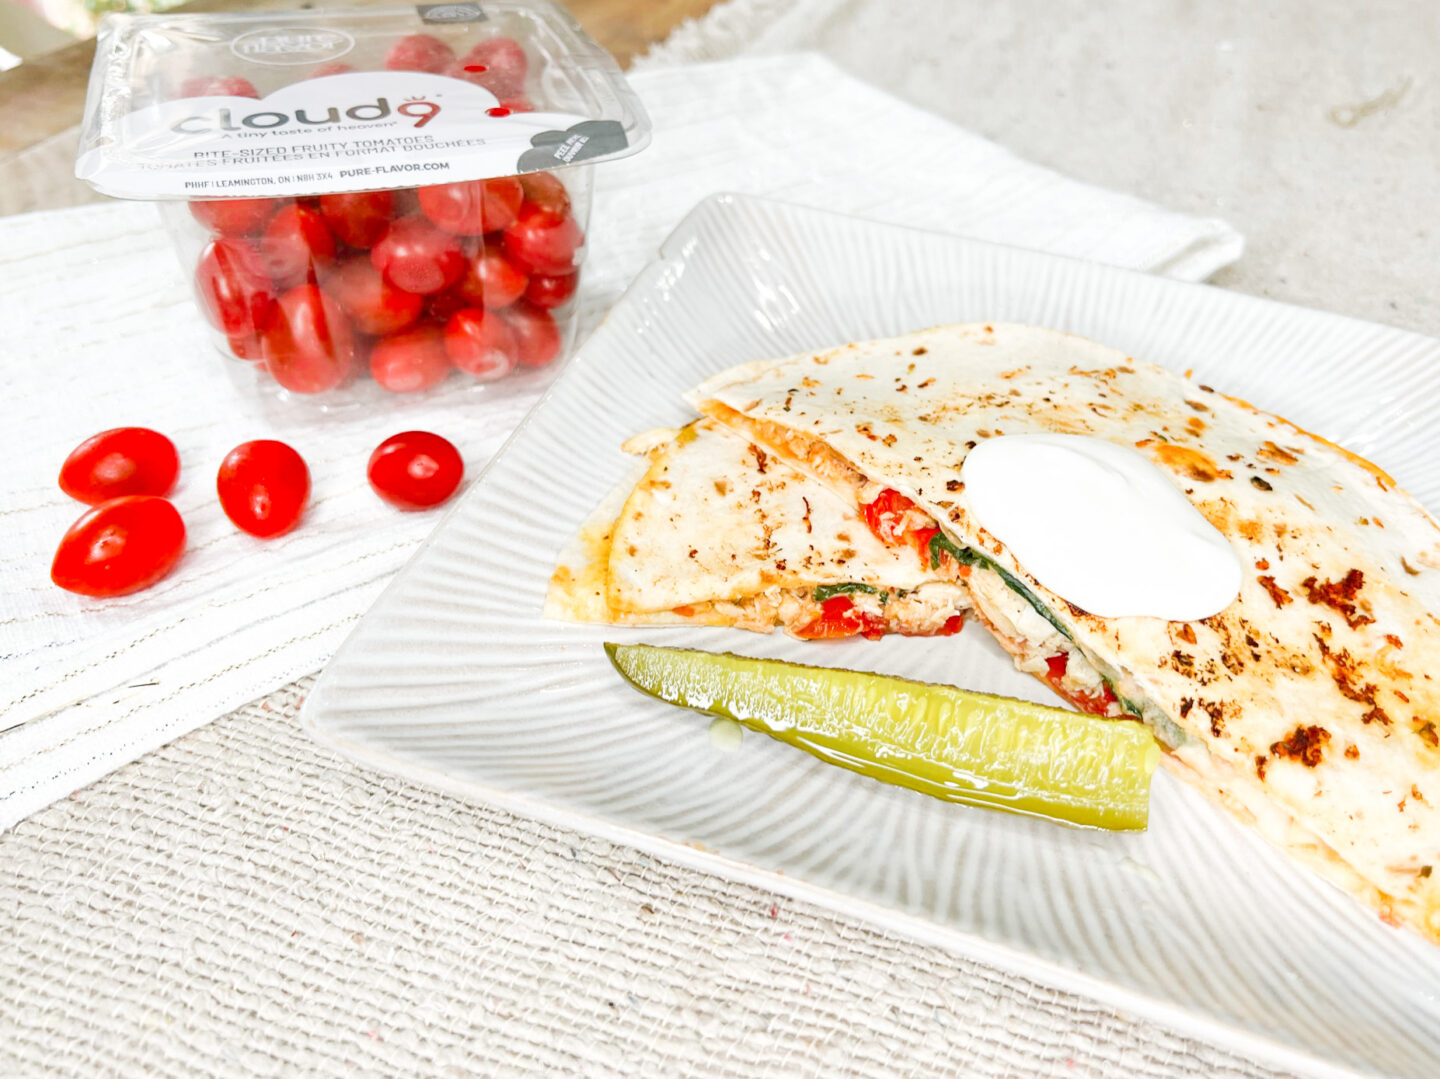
[(1309, 706), (718, 531)]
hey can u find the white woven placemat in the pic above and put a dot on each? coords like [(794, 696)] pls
[(242, 903)]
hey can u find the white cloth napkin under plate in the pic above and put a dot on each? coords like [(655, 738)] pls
[(99, 331)]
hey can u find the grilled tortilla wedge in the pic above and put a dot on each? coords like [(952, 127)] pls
[(1309, 707), (718, 532)]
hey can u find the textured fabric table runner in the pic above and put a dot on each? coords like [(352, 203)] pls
[(101, 332)]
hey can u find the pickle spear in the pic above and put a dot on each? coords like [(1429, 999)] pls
[(950, 743)]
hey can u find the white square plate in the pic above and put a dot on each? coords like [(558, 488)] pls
[(453, 678)]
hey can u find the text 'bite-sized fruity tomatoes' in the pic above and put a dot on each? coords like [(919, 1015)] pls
[(119, 546), (415, 470), (309, 346), (263, 487), (120, 461), (411, 360)]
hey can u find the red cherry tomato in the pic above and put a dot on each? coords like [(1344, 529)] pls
[(481, 343), (121, 461), (537, 338), (295, 244), (548, 291), (235, 292), (358, 218), (263, 487), (505, 66), (309, 347), (492, 279), (234, 217), (218, 86), (545, 190), (415, 470), (474, 206), (120, 546), (410, 360), (543, 242), (439, 306), (419, 52), (416, 256), (374, 305)]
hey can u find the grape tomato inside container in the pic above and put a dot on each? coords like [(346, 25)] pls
[(367, 203)]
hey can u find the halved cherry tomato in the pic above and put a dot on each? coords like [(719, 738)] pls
[(358, 218), (120, 546), (373, 304), (295, 244), (120, 461), (235, 292), (537, 337), (419, 52), (492, 279), (838, 618), (309, 346), (547, 290), (473, 207), (263, 487), (235, 217), (415, 470), (1095, 703), (410, 360), (541, 241), (481, 343), (418, 257)]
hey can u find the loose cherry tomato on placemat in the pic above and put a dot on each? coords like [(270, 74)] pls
[(120, 546), (121, 461), (263, 487), (415, 470)]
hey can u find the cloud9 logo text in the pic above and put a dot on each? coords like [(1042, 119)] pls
[(224, 119)]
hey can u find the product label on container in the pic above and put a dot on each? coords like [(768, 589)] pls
[(347, 132)]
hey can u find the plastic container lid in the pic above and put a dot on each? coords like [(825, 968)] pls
[(316, 102)]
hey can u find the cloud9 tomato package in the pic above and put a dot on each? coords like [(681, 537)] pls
[(367, 202)]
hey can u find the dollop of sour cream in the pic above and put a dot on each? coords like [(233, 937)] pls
[(1100, 525)]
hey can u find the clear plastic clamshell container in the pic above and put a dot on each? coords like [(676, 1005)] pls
[(368, 202)]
